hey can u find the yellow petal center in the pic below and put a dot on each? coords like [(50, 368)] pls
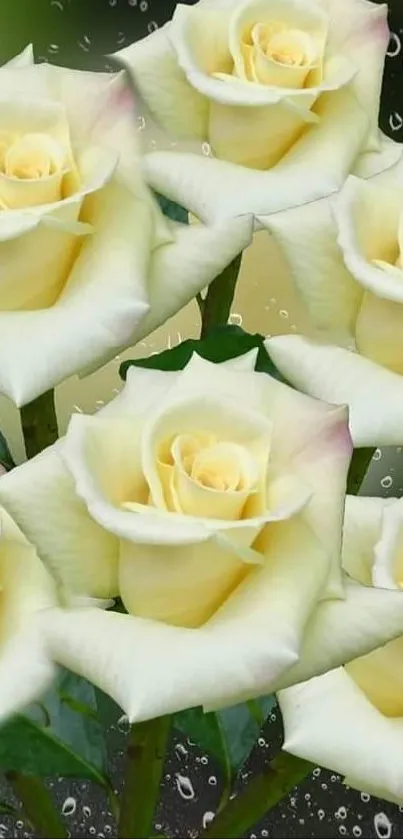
[(31, 157)]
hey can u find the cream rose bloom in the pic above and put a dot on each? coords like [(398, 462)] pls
[(351, 719), (286, 92), (345, 257), (26, 589), (88, 262), (219, 526)]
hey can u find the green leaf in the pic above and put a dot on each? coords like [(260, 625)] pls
[(58, 736), (206, 731), (228, 735), (6, 459), (241, 727), (172, 210), (7, 809), (219, 345)]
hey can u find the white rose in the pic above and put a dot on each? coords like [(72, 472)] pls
[(290, 87), (351, 719), (88, 262), (345, 257), (26, 589), (218, 524)]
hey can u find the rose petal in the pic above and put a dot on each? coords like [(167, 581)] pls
[(82, 557), (25, 669), (361, 531), (374, 395), (216, 189), (330, 721)]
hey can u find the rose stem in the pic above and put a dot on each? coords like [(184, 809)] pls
[(145, 756), (215, 307), (37, 805)]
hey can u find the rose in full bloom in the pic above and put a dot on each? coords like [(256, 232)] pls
[(351, 719), (286, 93), (26, 589), (345, 257), (88, 264), (217, 520)]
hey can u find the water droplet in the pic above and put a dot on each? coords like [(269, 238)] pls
[(316, 772), (284, 313), (19, 824), (341, 813), (53, 48), (207, 818), (123, 724), (206, 149), (184, 786), (87, 812), (152, 26), (85, 44), (204, 760), (261, 742), (212, 780), (342, 829), (69, 806), (143, 5), (383, 826), (92, 831), (387, 482), (321, 815), (395, 121), (181, 749), (264, 832), (395, 45), (235, 319), (377, 454), (357, 831), (365, 796)]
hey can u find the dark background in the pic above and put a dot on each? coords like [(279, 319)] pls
[(79, 33)]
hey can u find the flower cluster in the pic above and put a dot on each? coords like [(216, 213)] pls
[(209, 503)]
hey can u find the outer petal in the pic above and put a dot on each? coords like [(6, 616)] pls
[(150, 668), (25, 669), (342, 630), (23, 59), (387, 569), (307, 236), (363, 520), (329, 720), (40, 496), (181, 109), (181, 269), (248, 642), (93, 314), (373, 394), (360, 31), (216, 189)]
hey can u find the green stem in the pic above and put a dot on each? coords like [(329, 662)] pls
[(39, 423), (144, 765), (215, 308), (259, 796), (358, 469), (37, 805)]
